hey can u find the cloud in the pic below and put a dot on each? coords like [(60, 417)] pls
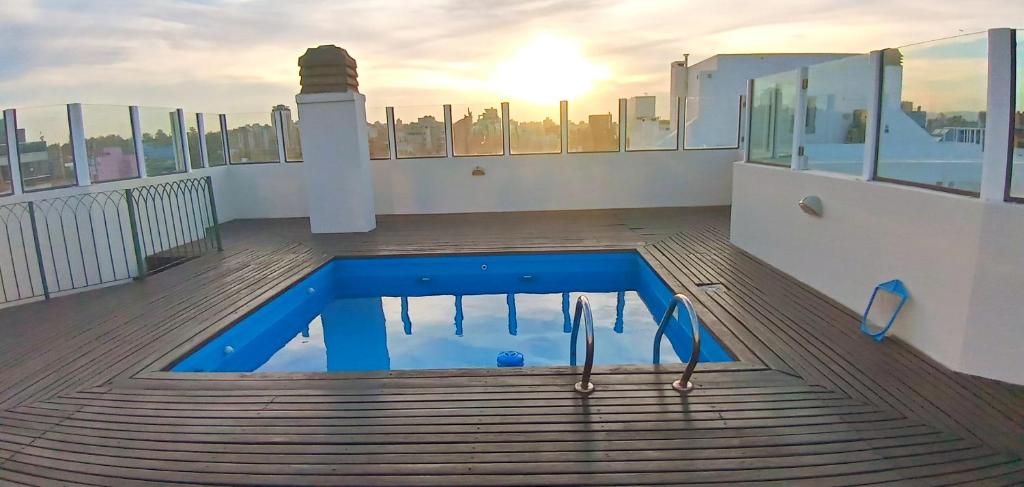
[(240, 55)]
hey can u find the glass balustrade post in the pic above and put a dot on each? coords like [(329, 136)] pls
[(13, 159), (798, 161), (874, 116), (999, 121), (78, 148)]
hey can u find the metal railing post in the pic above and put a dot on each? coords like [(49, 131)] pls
[(563, 125), (745, 143), (140, 153), (389, 118), (623, 128), (680, 116), (201, 127), (277, 119), (798, 161), (213, 213), (13, 158), (79, 153), (997, 155), (449, 138), (140, 260), (506, 130), (224, 139), (682, 384), (872, 132), (182, 126), (39, 250)]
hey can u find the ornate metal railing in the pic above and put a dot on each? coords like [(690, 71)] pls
[(56, 245)]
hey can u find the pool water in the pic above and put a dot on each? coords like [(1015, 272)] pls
[(401, 313)]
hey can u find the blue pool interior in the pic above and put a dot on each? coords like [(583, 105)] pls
[(401, 313)]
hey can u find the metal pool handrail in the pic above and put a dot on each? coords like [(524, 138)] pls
[(683, 384), (584, 386)]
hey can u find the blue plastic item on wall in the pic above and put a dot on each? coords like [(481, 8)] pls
[(894, 287)]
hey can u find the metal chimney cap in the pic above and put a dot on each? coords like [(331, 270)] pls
[(327, 69)]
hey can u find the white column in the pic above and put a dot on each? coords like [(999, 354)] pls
[(874, 116), (449, 144), (563, 121), (336, 156), (797, 160), (999, 119), (201, 126), (183, 130), (622, 124), (745, 143), (79, 152), (140, 157), (12, 150), (389, 115), (506, 145)]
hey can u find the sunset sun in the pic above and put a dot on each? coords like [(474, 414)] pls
[(548, 69)]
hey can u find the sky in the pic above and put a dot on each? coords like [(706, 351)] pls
[(240, 55)]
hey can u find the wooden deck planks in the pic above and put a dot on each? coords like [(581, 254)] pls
[(83, 399)]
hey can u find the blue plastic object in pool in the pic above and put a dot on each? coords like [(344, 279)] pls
[(510, 359), (894, 287), (445, 312)]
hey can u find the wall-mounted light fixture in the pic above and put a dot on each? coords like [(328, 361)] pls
[(811, 205), (478, 171)]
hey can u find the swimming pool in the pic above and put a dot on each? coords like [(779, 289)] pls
[(402, 313)]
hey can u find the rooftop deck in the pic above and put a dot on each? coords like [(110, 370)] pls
[(83, 398)]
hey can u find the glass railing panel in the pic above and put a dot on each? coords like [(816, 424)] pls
[(771, 118), (6, 187), (377, 133), (711, 122), (476, 130), (651, 122), (44, 148), (836, 119), (534, 129), (214, 136), (109, 143), (161, 141), (934, 97), (195, 151), (419, 132), (252, 138), (292, 141), (594, 128), (1016, 189)]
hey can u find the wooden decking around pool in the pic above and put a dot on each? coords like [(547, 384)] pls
[(811, 401)]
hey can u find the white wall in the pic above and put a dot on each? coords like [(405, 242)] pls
[(554, 182), (960, 258), (273, 190)]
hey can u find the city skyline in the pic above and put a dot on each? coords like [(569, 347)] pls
[(214, 56)]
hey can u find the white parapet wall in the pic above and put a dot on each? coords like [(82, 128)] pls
[(960, 257), (553, 182), (509, 183), (274, 190)]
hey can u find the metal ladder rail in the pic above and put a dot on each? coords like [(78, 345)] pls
[(683, 384), (584, 386)]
